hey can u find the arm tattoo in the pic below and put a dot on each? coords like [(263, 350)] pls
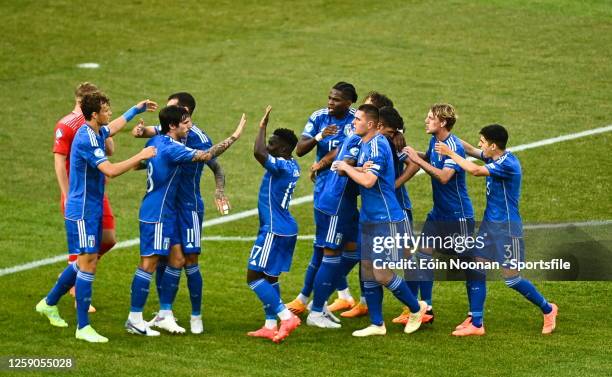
[(215, 150), (219, 177)]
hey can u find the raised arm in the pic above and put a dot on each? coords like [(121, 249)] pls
[(219, 148), (441, 175), (142, 131), (142, 106), (259, 148), (466, 165), (471, 150)]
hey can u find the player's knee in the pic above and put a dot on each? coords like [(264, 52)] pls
[(253, 276), (331, 253), (191, 259), (382, 276)]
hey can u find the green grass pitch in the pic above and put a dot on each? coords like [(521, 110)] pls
[(542, 68)]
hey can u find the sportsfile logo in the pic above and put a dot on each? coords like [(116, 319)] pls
[(456, 242)]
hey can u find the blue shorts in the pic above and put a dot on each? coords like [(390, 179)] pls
[(272, 254), (439, 233), (498, 245), (189, 230), (331, 230), (84, 236), (157, 238), (379, 242)]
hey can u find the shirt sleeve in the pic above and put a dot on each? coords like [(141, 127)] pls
[(450, 163), (499, 169), (63, 139), (352, 149), (275, 165), (378, 158), (93, 154), (105, 132), (179, 153), (311, 129), (157, 129)]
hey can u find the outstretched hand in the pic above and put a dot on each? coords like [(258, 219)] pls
[(146, 105), (240, 127), (264, 121), (138, 130)]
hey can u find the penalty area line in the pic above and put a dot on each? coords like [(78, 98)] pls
[(296, 201)]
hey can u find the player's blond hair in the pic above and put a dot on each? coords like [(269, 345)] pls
[(84, 88), (445, 112)]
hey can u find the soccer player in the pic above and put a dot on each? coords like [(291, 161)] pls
[(88, 168), (190, 211), (158, 213), (452, 213), (272, 252), (380, 217), (501, 226), (336, 217), (65, 129), (326, 129)]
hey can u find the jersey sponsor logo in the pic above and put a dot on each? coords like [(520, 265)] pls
[(99, 153)]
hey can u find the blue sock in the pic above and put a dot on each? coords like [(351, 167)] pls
[(140, 290), (83, 289), (426, 278), (400, 290), (63, 284), (468, 285), (194, 283), (530, 292), (311, 271), (170, 284), (476, 284), (267, 295), (159, 274), (348, 261), (269, 310), (411, 278), (325, 281), (373, 294)]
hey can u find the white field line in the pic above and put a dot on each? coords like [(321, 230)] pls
[(296, 201)]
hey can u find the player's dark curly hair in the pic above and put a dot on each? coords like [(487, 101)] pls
[(347, 89), (92, 103), (288, 137), (378, 99), (390, 117), (171, 115), (496, 134), (185, 100)]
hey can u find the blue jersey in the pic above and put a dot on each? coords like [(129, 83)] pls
[(275, 193), (450, 201), (316, 123), (340, 192), (188, 196), (378, 203), (86, 185), (159, 203), (504, 192)]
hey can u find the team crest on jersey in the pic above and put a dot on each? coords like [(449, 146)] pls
[(348, 130), (99, 153), (58, 134), (91, 241), (354, 151), (309, 127)]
